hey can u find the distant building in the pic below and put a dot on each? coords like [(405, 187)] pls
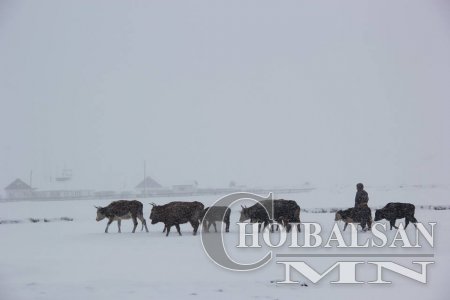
[(147, 185), (19, 190), (189, 187)]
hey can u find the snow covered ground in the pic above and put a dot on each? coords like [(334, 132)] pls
[(76, 260)]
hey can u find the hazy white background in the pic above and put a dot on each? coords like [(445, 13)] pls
[(261, 92)]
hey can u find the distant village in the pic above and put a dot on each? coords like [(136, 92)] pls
[(148, 187)]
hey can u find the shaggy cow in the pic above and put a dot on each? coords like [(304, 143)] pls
[(176, 213), (362, 216), (122, 210), (214, 214), (285, 212), (396, 210)]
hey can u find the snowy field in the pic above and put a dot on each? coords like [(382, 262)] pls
[(77, 260)]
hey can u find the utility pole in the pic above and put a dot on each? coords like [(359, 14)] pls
[(145, 176)]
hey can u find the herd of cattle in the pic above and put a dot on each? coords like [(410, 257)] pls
[(285, 212)]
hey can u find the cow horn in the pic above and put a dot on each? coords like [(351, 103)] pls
[(153, 204)]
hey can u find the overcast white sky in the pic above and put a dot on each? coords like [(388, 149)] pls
[(261, 92)]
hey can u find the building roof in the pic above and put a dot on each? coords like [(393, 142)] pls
[(148, 183), (18, 184)]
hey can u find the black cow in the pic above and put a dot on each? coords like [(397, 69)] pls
[(165, 228), (176, 213), (285, 212), (214, 214), (396, 210), (362, 215), (122, 210)]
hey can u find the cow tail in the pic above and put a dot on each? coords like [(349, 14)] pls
[(413, 219), (297, 215)]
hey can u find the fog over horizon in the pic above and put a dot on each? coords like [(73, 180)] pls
[(260, 92)]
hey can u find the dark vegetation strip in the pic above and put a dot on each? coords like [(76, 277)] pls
[(36, 220)]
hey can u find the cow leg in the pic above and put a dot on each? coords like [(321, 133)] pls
[(227, 226), (167, 227), (299, 229), (135, 224), (345, 226), (284, 223), (266, 223), (215, 227), (178, 228), (119, 222), (288, 227), (109, 223), (406, 222), (144, 223), (194, 224), (205, 226), (140, 217), (412, 220), (363, 225), (392, 222)]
